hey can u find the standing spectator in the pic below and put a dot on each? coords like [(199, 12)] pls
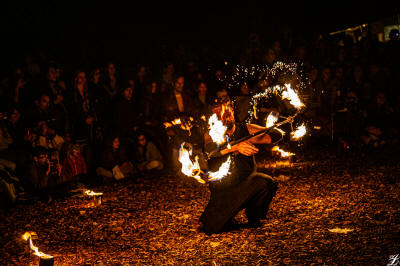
[(358, 86), (82, 117), (81, 109), (202, 100), (111, 81), (101, 101), (177, 104), (269, 57), (242, 103), (126, 116), (56, 90), (168, 77)]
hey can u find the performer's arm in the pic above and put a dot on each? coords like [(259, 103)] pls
[(245, 147), (261, 139)]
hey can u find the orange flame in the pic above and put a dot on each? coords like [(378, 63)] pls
[(184, 125), (271, 120), (292, 96), (92, 193), (28, 235), (217, 129), (189, 168), (282, 152), (176, 121), (222, 171), (300, 132)]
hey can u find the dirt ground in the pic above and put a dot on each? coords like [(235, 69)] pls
[(328, 210)]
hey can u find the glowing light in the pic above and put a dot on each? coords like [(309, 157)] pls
[(222, 171), (292, 96), (217, 129), (300, 132), (271, 120), (189, 168), (282, 152), (28, 236), (92, 193)]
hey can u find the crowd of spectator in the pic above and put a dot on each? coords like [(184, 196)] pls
[(57, 130)]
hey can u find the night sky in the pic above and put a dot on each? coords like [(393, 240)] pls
[(25, 27)]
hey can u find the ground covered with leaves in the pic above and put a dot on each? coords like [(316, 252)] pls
[(329, 209)]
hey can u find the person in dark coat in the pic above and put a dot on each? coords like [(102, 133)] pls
[(176, 104), (243, 187)]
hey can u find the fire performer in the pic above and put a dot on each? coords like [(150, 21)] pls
[(243, 187)]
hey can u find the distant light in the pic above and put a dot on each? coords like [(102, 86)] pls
[(226, 63)]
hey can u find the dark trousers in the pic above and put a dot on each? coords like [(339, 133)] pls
[(254, 195)]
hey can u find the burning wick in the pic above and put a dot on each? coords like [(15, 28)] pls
[(97, 197), (44, 259), (189, 168), (282, 152), (292, 96), (217, 129), (92, 193), (222, 171), (271, 120), (300, 132)]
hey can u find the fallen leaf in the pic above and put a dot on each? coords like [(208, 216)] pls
[(341, 230)]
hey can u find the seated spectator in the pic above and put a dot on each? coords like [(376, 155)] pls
[(379, 129), (42, 112), (43, 174), (114, 162), (147, 155), (5, 137), (46, 137), (74, 165)]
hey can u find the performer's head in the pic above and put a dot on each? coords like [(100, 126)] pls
[(225, 112)]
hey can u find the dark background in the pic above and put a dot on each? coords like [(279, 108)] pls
[(148, 31)]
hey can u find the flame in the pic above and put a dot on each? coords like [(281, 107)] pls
[(189, 168), (183, 125), (271, 120), (282, 152), (217, 129), (203, 117), (92, 193), (222, 171), (292, 96), (28, 235), (177, 121), (300, 132)]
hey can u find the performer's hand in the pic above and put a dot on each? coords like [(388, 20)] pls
[(246, 148)]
